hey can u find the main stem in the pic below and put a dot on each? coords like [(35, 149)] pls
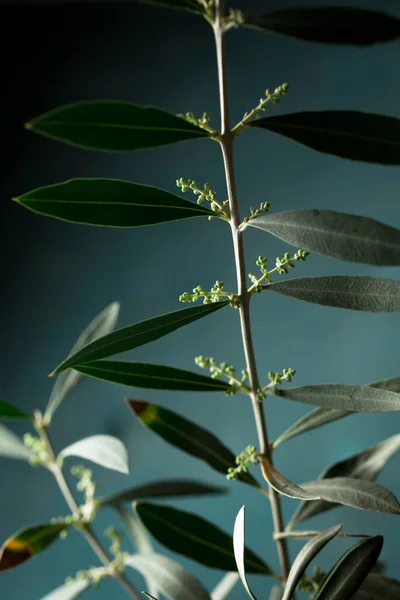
[(226, 142), (87, 530)]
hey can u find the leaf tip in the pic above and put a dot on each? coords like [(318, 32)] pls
[(137, 406), (16, 199), (28, 125)]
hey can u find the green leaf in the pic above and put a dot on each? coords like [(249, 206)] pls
[(305, 556), (239, 549), (365, 465), (11, 446), (138, 334), (378, 587), (9, 411), (224, 586), (370, 294), (357, 398), (156, 377), (283, 485), (276, 593), (313, 419), (356, 493), (187, 436), (346, 133), (114, 126), (163, 489), (68, 591), (173, 581), (190, 5), (104, 450), (104, 323), (196, 538), (330, 24), (28, 542), (350, 571), (334, 234)]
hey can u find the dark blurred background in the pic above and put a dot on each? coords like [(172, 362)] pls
[(55, 277)]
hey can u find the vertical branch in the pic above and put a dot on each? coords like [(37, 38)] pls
[(226, 142)]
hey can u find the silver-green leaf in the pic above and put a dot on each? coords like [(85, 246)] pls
[(284, 486), (224, 586), (68, 591), (11, 446), (239, 549), (313, 419), (104, 450)]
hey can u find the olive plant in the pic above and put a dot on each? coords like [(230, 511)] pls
[(119, 126)]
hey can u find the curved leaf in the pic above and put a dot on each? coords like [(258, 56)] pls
[(190, 5), (9, 411), (196, 538), (156, 377), (187, 436), (371, 294), (28, 542), (357, 493), (224, 586), (138, 334), (392, 384), (169, 577), (346, 133), (378, 587), (357, 398), (114, 125), (110, 203), (305, 556), (239, 549), (163, 489), (11, 446), (104, 450), (68, 591), (334, 234), (104, 323), (282, 485), (313, 419), (330, 24), (350, 571)]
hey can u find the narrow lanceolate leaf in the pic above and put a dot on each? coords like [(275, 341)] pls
[(156, 377), (305, 556), (137, 335), (357, 398), (163, 489), (378, 587), (114, 126), (9, 411), (224, 586), (173, 581), (190, 5), (365, 465), (187, 436), (354, 292), (392, 384), (196, 538), (11, 446), (104, 450), (276, 593), (68, 591), (346, 133), (357, 493), (238, 548), (283, 485), (351, 570), (103, 324), (313, 419), (110, 203), (330, 24), (28, 542), (334, 234)]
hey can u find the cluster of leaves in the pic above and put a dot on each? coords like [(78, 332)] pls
[(123, 126)]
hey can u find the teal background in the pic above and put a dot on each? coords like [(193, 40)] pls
[(56, 276)]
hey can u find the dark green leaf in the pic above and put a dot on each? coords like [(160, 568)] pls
[(330, 24), (11, 446), (156, 377), (163, 489), (370, 294), (110, 203), (334, 234), (138, 334), (350, 571), (358, 398), (378, 587), (28, 542), (305, 556), (190, 5), (356, 493), (9, 411), (346, 133), (105, 450), (68, 591), (239, 549), (187, 436), (173, 581), (365, 465), (114, 126), (313, 419), (193, 536)]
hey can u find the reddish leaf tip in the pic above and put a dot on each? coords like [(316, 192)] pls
[(138, 406)]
